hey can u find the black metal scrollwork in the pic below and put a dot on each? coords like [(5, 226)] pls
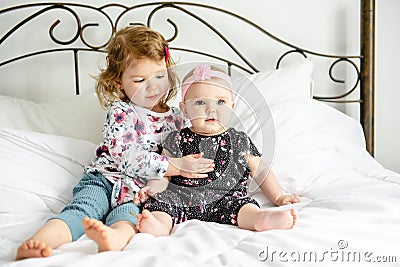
[(183, 7), (338, 98)]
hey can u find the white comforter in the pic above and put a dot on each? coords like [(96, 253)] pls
[(349, 214)]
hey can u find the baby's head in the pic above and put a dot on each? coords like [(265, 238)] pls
[(207, 99), (126, 48)]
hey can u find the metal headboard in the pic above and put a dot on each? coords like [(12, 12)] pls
[(363, 64)]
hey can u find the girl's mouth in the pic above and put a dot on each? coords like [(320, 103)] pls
[(152, 97)]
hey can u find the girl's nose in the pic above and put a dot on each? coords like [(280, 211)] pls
[(151, 84)]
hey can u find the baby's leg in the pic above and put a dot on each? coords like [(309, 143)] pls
[(253, 218), (157, 223), (113, 237), (53, 234)]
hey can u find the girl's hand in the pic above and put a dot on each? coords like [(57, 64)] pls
[(193, 166), (153, 187), (287, 199)]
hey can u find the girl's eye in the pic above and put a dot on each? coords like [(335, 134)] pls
[(138, 81), (221, 102), (200, 102)]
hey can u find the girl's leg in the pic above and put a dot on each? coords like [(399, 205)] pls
[(120, 227), (90, 199), (157, 223), (251, 217), (53, 234)]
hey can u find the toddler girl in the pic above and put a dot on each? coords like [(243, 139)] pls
[(223, 196), (135, 86)]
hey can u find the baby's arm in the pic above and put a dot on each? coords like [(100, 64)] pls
[(266, 179)]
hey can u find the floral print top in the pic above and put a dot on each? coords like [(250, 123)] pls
[(131, 149)]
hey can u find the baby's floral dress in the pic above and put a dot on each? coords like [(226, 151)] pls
[(217, 198)]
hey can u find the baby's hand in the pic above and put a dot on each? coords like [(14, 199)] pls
[(287, 199), (153, 187)]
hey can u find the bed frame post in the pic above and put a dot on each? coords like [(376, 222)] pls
[(367, 46)]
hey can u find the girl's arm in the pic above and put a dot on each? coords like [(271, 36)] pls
[(155, 186), (268, 183), (124, 137), (190, 166)]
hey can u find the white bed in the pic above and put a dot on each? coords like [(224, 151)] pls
[(348, 215)]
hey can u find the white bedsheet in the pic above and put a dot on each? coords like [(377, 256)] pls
[(349, 209)]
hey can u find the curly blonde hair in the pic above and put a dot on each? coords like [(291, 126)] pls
[(127, 44)]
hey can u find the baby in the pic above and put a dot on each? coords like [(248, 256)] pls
[(222, 197)]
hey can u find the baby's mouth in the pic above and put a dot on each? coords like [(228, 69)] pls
[(211, 119)]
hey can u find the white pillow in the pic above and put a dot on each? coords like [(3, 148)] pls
[(298, 136), (257, 94), (78, 116), (40, 170)]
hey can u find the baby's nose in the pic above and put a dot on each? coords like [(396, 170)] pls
[(211, 107)]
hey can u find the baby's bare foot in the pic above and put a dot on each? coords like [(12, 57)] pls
[(33, 249), (280, 219), (147, 223), (106, 237)]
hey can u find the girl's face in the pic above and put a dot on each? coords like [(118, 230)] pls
[(208, 106), (145, 82)]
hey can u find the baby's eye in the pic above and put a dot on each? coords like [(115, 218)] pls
[(160, 76), (199, 103), (221, 102)]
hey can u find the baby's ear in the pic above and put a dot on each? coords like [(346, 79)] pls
[(182, 107)]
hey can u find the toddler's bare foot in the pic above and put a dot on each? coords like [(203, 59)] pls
[(147, 223), (280, 219), (33, 249), (106, 237)]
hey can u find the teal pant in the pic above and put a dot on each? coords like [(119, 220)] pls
[(91, 198)]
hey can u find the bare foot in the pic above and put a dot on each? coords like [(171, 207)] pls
[(148, 223), (33, 249), (107, 238), (280, 219)]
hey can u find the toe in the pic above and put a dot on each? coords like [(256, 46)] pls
[(146, 213), (46, 252)]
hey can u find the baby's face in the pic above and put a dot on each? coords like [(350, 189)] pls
[(209, 106)]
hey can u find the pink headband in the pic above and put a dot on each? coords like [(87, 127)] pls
[(202, 73)]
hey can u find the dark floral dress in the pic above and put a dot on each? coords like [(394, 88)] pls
[(217, 198)]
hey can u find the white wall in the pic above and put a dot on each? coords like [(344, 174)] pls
[(387, 122), (326, 26)]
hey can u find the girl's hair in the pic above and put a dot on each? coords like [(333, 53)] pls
[(128, 44)]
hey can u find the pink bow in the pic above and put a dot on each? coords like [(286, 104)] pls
[(203, 73)]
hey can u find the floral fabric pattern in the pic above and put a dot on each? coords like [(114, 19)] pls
[(130, 153), (217, 198)]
